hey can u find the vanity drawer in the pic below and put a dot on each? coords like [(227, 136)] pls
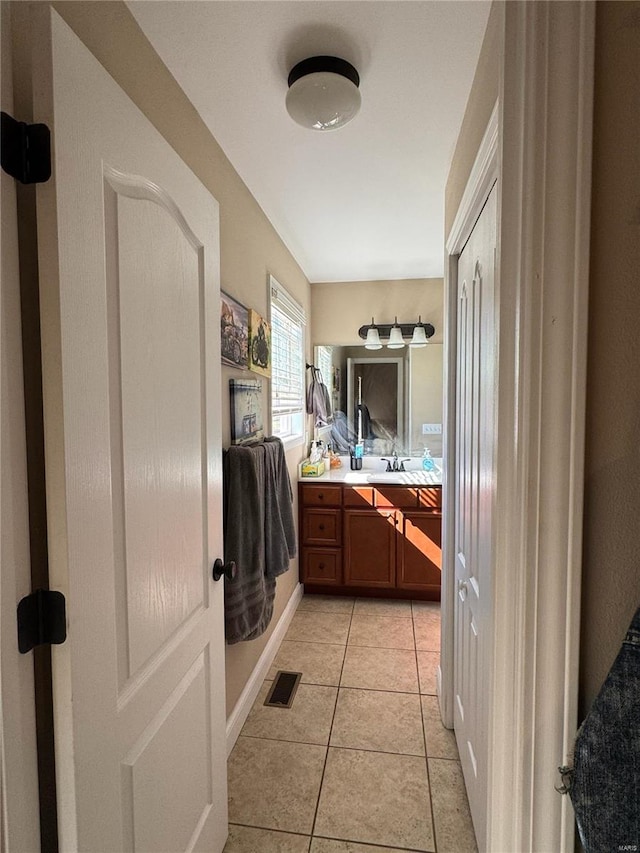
[(322, 526), (400, 496), (430, 497), (321, 495), (322, 566), (361, 496)]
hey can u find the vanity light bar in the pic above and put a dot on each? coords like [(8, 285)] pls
[(384, 329)]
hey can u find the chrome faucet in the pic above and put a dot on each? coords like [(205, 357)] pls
[(393, 465)]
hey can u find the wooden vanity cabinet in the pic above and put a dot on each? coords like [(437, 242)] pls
[(378, 539)]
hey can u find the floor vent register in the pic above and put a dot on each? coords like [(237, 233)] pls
[(283, 689)]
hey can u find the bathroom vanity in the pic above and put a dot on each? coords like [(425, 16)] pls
[(368, 533)]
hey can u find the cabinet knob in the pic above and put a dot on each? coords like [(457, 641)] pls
[(321, 565), (321, 526), (320, 497)]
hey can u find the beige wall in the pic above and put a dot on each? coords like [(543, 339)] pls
[(250, 248), (483, 95), (611, 575), (338, 309)]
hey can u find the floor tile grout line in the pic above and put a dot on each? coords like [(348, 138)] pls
[(372, 846), (326, 758), (340, 746), (426, 759), (269, 829)]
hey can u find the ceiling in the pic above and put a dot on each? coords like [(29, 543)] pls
[(361, 203)]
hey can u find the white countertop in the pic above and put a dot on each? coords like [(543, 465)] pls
[(373, 471)]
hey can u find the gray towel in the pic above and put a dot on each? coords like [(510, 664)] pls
[(248, 599), (279, 528)]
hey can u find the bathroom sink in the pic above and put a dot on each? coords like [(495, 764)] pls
[(406, 478)]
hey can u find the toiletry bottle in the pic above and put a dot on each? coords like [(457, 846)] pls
[(427, 462)]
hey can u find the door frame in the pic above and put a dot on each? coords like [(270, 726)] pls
[(19, 799), (351, 391), (544, 142)]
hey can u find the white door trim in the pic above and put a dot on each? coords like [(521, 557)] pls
[(544, 145), (547, 107)]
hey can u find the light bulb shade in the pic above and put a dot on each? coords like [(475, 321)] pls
[(396, 340), (419, 338), (373, 339), (323, 93)]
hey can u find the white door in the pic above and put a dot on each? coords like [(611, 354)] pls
[(129, 268), (473, 483)]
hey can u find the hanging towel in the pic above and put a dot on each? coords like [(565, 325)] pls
[(248, 599), (318, 399), (279, 528), (259, 534)]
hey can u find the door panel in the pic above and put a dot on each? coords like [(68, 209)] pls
[(156, 409), (420, 551), (475, 404), (129, 260), (370, 548)]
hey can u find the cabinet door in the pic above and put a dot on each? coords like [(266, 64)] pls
[(370, 548), (419, 551)]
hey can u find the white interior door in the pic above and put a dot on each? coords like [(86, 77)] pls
[(473, 483), (129, 266)]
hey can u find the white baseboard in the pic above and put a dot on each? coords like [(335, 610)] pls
[(240, 712)]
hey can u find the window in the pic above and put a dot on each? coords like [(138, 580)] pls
[(287, 366), (324, 362)]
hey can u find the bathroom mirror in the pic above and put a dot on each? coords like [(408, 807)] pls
[(391, 398)]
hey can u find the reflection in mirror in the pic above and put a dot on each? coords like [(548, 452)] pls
[(391, 399)]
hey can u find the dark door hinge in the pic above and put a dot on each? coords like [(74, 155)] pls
[(26, 150), (42, 619)]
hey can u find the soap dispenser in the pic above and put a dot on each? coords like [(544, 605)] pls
[(427, 461)]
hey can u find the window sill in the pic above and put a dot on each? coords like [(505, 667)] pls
[(292, 441)]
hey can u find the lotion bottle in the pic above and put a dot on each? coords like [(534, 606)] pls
[(427, 461)]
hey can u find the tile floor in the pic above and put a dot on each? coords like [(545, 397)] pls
[(361, 762)]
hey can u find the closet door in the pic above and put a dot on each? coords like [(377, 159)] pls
[(129, 262), (473, 483)]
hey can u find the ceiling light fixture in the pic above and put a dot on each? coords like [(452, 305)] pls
[(323, 93), (395, 333)]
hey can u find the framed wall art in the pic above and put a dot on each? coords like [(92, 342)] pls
[(234, 332), (247, 423), (259, 344)]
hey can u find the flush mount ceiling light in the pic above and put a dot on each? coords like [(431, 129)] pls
[(323, 93)]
